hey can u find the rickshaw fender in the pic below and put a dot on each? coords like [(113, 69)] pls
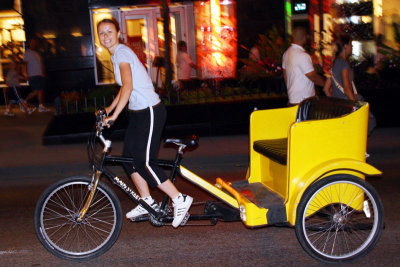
[(338, 166)]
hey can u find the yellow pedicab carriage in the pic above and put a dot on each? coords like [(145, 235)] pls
[(308, 168)]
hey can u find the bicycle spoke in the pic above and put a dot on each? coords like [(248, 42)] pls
[(64, 232), (335, 221)]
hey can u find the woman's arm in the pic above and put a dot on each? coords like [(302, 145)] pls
[(111, 107), (348, 90), (124, 92), (328, 87)]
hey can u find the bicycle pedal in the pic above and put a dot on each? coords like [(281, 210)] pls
[(167, 209), (140, 218), (186, 219)]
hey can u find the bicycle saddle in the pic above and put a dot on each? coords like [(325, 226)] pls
[(189, 141)]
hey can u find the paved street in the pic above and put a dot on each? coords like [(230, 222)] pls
[(27, 168)]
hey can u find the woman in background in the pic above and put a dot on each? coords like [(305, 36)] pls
[(340, 84)]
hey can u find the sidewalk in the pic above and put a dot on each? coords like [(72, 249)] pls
[(23, 157)]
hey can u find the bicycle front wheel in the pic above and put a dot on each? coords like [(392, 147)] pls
[(58, 229), (339, 218)]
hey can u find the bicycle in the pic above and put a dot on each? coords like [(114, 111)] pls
[(321, 191)]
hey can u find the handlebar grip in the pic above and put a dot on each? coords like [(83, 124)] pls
[(110, 123)]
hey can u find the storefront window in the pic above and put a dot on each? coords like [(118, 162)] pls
[(12, 38), (333, 18)]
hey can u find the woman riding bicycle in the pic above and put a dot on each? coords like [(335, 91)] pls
[(147, 116)]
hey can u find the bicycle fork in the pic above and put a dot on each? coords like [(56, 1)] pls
[(92, 188), (95, 179)]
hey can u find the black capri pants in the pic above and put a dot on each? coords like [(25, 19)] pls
[(142, 142)]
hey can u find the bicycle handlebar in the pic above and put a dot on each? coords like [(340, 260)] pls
[(100, 115)]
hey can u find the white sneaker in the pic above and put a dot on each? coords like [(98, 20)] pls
[(140, 211), (181, 207), (31, 110), (9, 113), (43, 109)]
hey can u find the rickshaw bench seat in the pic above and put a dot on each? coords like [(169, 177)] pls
[(275, 149), (313, 108)]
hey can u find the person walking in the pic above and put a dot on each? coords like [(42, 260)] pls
[(147, 116), (12, 81), (340, 85), (298, 70), (35, 74), (184, 65)]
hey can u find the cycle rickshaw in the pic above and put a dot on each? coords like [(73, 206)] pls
[(307, 170)]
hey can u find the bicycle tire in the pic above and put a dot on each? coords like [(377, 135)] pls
[(331, 231), (56, 225)]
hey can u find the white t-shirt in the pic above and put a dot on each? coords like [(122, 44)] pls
[(34, 63), (297, 63), (143, 94), (183, 62)]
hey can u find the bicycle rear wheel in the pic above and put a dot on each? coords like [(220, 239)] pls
[(339, 219), (58, 229)]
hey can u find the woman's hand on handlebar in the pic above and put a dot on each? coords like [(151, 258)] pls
[(108, 121)]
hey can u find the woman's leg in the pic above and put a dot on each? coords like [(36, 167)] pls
[(143, 188), (135, 144), (141, 185), (5, 93), (8, 105), (142, 140), (31, 95), (142, 144), (169, 188)]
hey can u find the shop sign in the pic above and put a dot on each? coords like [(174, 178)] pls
[(216, 38)]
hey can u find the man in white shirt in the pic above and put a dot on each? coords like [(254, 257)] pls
[(298, 70)]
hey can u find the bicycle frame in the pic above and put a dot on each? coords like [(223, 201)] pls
[(176, 168)]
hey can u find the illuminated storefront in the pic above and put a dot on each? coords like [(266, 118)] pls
[(216, 38), (326, 18), (208, 28), (386, 12), (12, 37)]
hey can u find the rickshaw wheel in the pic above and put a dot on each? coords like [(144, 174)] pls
[(339, 219)]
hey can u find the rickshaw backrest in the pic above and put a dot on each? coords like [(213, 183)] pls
[(314, 108), (317, 108)]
